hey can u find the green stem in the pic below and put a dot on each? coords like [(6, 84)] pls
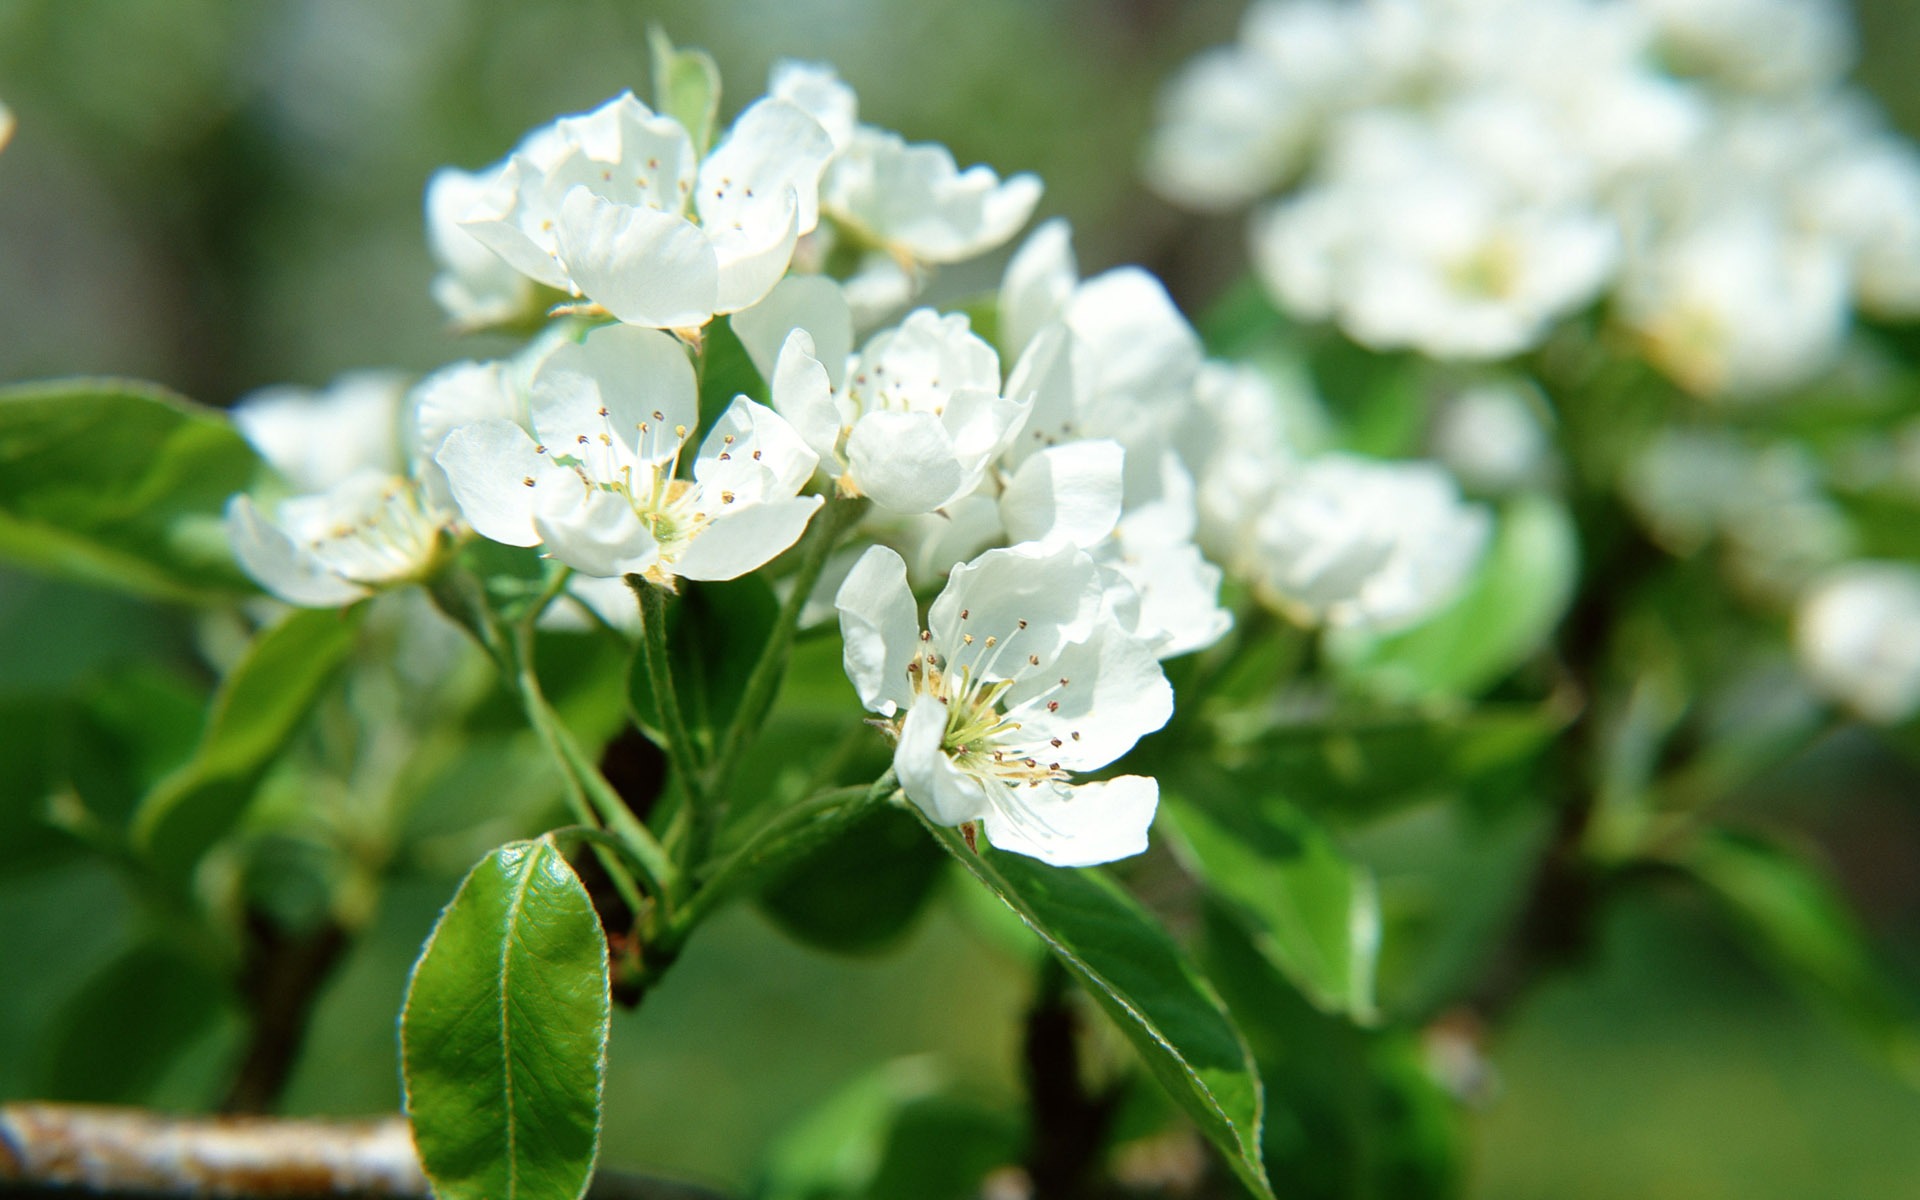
[(835, 519), (591, 797), (653, 654), (594, 798), (784, 837)]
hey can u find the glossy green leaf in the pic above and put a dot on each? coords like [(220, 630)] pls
[(1308, 908), (503, 1039), (1349, 772), (258, 708), (1505, 616), (1350, 1111), (686, 87), (120, 484), (106, 1049), (1798, 923), (892, 1134), (897, 869), (1136, 973)]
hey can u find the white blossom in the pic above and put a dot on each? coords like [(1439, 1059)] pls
[(317, 438), (1858, 638), (475, 287), (1363, 544), (911, 200), (1020, 680), (596, 482), (614, 206), (1491, 435), (367, 531), (359, 518), (912, 421)]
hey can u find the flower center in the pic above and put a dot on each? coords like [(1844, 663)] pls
[(982, 737)]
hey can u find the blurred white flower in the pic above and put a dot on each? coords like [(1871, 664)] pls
[(318, 437), (1363, 544), (1491, 435), (1021, 679), (367, 531), (1858, 638), (476, 288), (599, 488), (6, 126), (1757, 45), (1738, 306)]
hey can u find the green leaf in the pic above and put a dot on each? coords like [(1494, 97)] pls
[(715, 633), (892, 1133), (897, 869), (1351, 772), (726, 371), (1134, 971), (1797, 923), (256, 711), (108, 1048), (1350, 1111), (503, 1039), (686, 87), (1311, 911), (1506, 614), (120, 484)]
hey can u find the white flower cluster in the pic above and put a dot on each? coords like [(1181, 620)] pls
[(1858, 637), (1464, 173), (1056, 480)]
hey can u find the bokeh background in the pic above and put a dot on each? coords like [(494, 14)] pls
[(221, 196)]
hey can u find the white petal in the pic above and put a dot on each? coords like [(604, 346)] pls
[(753, 253), (1077, 826), (460, 394), (509, 218), (773, 146), (814, 303), (946, 794), (880, 629), (817, 90), (1065, 494), (488, 464), (745, 539), (916, 199), (755, 454), (983, 425), (804, 395), (644, 266), (591, 399), (1038, 281), (596, 532), (1046, 377), (905, 461), (1115, 694), (271, 558), (1030, 600)]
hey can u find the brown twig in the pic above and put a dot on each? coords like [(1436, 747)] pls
[(281, 979), (51, 1149)]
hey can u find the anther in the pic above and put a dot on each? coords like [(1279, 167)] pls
[(725, 456), (1056, 743), (1053, 706), (582, 439), (603, 410), (1033, 660), (756, 456), (967, 638), (528, 480), (680, 431), (1023, 624), (658, 415), (726, 497), (991, 640), (1076, 735), (965, 613)]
